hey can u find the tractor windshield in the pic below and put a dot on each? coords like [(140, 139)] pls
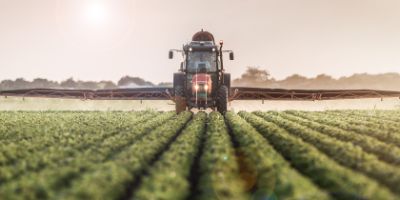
[(201, 62)]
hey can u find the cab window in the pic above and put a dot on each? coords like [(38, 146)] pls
[(201, 62)]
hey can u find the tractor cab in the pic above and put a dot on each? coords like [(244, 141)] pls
[(201, 82), (203, 62)]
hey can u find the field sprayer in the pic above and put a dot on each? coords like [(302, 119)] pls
[(201, 83)]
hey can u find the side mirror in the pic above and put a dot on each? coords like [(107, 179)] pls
[(231, 56), (170, 54)]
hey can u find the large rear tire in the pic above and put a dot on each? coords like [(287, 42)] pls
[(222, 102), (180, 100), (227, 81), (179, 93)]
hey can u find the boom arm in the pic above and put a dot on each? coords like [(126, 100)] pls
[(165, 93), (246, 93), (113, 94)]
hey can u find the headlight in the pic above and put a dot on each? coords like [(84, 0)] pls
[(206, 87), (196, 87)]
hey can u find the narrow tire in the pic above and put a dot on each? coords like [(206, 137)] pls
[(180, 100), (222, 102)]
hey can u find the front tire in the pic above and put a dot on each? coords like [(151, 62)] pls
[(180, 100), (222, 102), (179, 93)]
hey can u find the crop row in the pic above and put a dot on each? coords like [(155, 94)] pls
[(161, 155), (344, 153), (378, 133), (384, 151), (112, 179), (359, 120), (56, 171), (218, 171), (75, 135), (339, 181), (273, 175), (19, 127), (382, 116), (169, 177), (90, 152)]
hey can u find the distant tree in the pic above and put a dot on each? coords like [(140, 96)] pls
[(43, 83), (7, 85), (69, 83), (88, 85), (107, 85), (128, 80), (255, 74), (21, 83), (323, 77), (295, 79)]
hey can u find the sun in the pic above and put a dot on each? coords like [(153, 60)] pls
[(96, 13), (95, 25)]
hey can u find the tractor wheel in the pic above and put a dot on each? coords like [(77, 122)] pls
[(227, 81), (222, 101), (180, 101)]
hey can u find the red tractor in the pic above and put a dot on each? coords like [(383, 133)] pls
[(201, 82)]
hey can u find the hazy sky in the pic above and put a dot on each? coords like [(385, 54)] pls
[(106, 39)]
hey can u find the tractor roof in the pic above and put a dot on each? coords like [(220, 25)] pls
[(203, 36)]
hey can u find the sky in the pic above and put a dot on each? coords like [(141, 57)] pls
[(108, 39)]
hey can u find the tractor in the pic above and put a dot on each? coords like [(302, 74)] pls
[(201, 81)]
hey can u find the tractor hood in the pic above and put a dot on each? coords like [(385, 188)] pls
[(201, 83)]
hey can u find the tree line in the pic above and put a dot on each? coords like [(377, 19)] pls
[(124, 82), (256, 77), (252, 77)]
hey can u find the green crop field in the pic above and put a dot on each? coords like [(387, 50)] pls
[(144, 155)]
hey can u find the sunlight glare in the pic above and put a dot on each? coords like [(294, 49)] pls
[(96, 13), (95, 25)]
